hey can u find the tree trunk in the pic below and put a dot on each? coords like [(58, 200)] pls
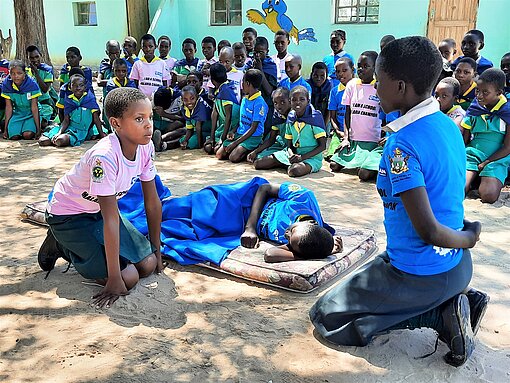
[(30, 28)]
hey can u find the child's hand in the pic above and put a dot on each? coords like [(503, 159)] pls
[(295, 158), (158, 109), (482, 165), (217, 146), (252, 157), (114, 288), (338, 245), (159, 266), (249, 239), (475, 228), (184, 145), (55, 137), (343, 144), (38, 134), (230, 148)]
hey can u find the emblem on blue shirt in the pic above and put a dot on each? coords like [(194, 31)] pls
[(97, 172), (262, 111), (398, 162), (294, 187)]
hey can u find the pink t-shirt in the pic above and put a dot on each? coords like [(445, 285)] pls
[(364, 104), (170, 63), (102, 171), (150, 75)]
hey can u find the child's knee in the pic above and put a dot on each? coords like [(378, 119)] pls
[(221, 154), (146, 266), (237, 155), (130, 276), (366, 175), (298, 170), (335, 167), (44, 141), (208, 148), (489, 194), (28, 135)]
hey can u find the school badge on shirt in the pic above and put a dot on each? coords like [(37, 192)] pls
[(97, 171), (398, 162)]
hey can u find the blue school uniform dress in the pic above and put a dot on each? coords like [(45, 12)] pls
[(253, 109), (294, 203), (412, 277), (331, 60), (22, 119), (226, 95), (81, 124), (304, 133), (64, 74), (482, 64), (286, 83), (335, 104), (201, 112)]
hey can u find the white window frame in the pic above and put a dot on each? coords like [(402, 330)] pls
[(228, 14), (90, 13), (357, 7)]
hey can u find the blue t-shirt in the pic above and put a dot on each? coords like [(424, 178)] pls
[(253, 109), (330, 61), (410, 160), (335, 103), (294, 203), (286, 83)]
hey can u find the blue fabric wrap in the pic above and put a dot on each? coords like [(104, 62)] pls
[(311, 116), (88, 102), (202, 226), (227, 92), (28, 85), (476, 110)]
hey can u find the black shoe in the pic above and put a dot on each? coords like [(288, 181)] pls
[(456, 330), (478, 302), (156, 139), (49, 253)]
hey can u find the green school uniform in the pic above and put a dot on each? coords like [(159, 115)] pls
[(279, 144), (488, 137), (304, 138), (48, 107), (234, 118), (357, 155), (191, 123), (467, 98)]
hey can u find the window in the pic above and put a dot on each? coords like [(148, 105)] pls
[(356, 11), (226, 12), (85, 13)]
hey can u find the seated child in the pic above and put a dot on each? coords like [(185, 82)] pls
[(208, 50), (465, 73), (22, 110), (73, 58), (448, 49), (276, 139), (305, 134), (249, 40), (187, 64), (344, 71), (362, 121), (130, 52), (472, 44), (164, 47), (150, 72), (119, 78), (293, 66), (65, 91), (226, 110), (196, 80), (447, 94), (487, 136), (226, 59), (81, 116), (197, 114), (43, 75), (422, 278), (385, 40), (281, 43), (85, 227), (321, 89), (106, 65), (251, 125), (505, 67), (241, 61), (167, 118), (336, 42), (222, 44), (289, 214)]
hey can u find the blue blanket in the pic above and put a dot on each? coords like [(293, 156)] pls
[(202, 226)]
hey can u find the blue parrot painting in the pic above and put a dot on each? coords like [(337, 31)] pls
[(274, 18)]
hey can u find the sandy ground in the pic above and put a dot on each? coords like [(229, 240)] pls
[(195, 325)]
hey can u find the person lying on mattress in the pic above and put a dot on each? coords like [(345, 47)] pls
[(289, 214)]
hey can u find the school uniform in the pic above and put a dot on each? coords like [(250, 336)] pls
[(150, 75), (365, 125), (64, 74), (114, 83), (106, 71), (287, 83), (488, 129), (271, 73), (411, 277), (304, 132), (335, 104), (170, 62), (81, 122), (73, 211), (280, 64), (467, 97), (331, 60), (22, 119), (223, 96), (4, 69), (175, 107), (47, 104), (294, 203), (320, 95), (482, 64), (128, 64), (455, 112), (278, 124), (201, 112), (236, 77), (200, 68), (253, 109), (184, 66)]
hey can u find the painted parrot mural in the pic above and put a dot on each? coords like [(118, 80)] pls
[(274, 18)]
